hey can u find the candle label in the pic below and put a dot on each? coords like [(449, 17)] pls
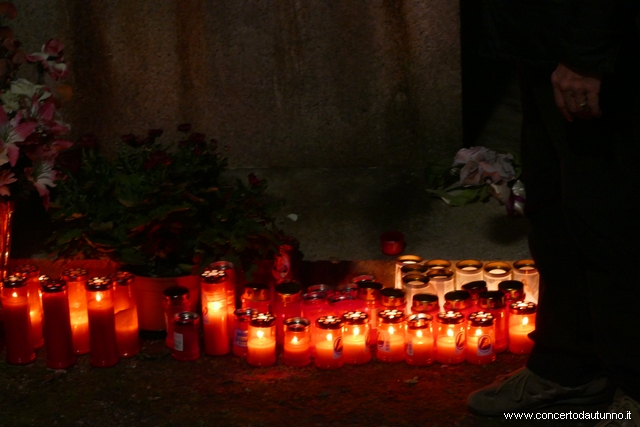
[(384, 341), (241, 338), (485, 346), (205, 315), (410, 348), (178, 342), (460, 342), (337, 348)]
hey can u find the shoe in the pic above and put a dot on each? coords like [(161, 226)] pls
[(624, 407), (522, 390)]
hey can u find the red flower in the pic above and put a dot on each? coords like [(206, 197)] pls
[(253, 180), (157, 158)]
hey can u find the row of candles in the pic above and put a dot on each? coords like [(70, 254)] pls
[(77, 315)]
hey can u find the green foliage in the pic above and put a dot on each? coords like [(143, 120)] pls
[(161, 209)]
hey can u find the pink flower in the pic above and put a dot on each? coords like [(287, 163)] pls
[(6, 178), (51, 58), (42, 176), (484, 166), (11, 132)]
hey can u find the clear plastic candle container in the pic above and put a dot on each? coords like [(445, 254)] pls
[(257, 296), (215, 313), (369, 302), (186, 337), (468, 270), (414, 284), (102, 322), (420, 348), (441, 281), (126, 314), (261, 342), (450, 339), (31, 272), (495, 272), (522, 321), (425, 303), (229, 271), (287, 303), (175, 299), (297, 338), (355, 332), (241, 320), (17, 322), (76, 279), (493, 302), (525, 270), (391, 340), (328, 343), (475, 288), (401, 261), (480, 338), (57, 325)]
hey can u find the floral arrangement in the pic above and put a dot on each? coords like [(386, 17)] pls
[(477, 174), (161, 209), (30, 124)]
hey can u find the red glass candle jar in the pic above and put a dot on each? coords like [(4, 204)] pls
[(287, 303), (475, 289), (420, 349), (401, 261), (242, 317), (186, 339), (126, 314), (525, 270), (76, 279), (261, 342), (391, 339), (102, 322), (340, 304), (369, 302), (425, 303), (480, 338), (458, 301), (348, 289), (17, 321), (391, 298), (297, 351), (175, 299), (451, 340), (314, 306), (513, 291), (215, 313), (31, 272), (257, 296), (495, 272), (522, 321), (230, 287), (355, 331), (493, 302), (57, 324), (328, 343), (321, 287), (468, 270)]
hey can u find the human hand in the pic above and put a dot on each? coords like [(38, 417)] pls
[(576, 94)]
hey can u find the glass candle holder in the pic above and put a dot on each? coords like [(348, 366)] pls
[(522, 321), (328, 343), (314, 306), (413, 269), (261, 342), (441, 281), (241, 320), (76, 279), (451, 339), (102, 322), (215, 313), (525, 270), (348, 289), (413, 284), (513, 291), (420, 349), (355, 332), (401, 261), (287, 303), (475, 288), (186, 337), (468, 270), (175, 299), (328, 290), (32, 273), (369, 299), (437, 264), (480, 338), (257, 296), (493, 302), (391, 338), (366, 277), (126, 314), (458, 301), (231, 284), (17, 321), (297, 349), (341, 303), (495, 272), (57, 326), (392, 298), (425, 303)]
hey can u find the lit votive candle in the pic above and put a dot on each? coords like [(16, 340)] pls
[(76, 279), (126, 314), (355, 331), (296, 341), (522, 321), (241, 319), (480, 338), (494, 302), (328, 343), (102, 323), (261, 342), (391, 338), (57, 325), (215, 313), (31, 273), (450, 344), (495, 272), (17, 322), (230, 288), (420, 349)]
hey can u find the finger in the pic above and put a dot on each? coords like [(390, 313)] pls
[(560, 103), (593, 102)]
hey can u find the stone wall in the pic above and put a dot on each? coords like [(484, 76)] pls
[(283, 83)]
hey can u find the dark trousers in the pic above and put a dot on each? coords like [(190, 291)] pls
[(583, 191)]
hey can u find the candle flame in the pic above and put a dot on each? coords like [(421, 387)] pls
[(260, 334), (294, 340), (356, 331), (329, 337), (478, 332), (449, 332), (525, 321), (419, 333), (15, 295), (98, 296), (216, 305), (391, 330)]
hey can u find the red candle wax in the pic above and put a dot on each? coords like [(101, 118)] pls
[(57, 325), (296, 342), (355, 350), (76, 279), (215, 313), (126, 314), (102, 328), (17, 323), (31, 273), (186, 340), (522, 321)]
